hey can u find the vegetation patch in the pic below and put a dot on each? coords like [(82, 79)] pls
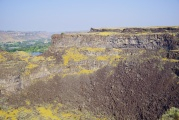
[(85, 71), (73, 54), (37, 58), (27, 46), (174, 50), (107, 33), (24, 56), (47, 112), (170, 60), (2, 58), (31, 66), (171, 114), (102, 58), (112, 59)]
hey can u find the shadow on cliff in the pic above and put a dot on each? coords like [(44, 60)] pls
[(136, 91)]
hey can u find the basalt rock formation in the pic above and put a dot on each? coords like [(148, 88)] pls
[(137, 30), (127, 73), (126, 38)]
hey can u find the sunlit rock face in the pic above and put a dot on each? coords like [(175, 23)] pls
[(127, 73), (149, 38)]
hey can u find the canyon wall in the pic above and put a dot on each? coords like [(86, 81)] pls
[(107, 38), (127, 73)]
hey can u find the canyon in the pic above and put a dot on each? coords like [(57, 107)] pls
[(109, 73)]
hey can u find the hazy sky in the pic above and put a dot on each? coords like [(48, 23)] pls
[(77, 15)]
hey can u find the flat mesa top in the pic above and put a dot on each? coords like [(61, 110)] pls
[(126, 31)]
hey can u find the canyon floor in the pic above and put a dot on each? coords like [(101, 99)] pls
[(103, 74)]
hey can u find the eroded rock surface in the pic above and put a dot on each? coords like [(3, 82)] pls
[(129, 73)]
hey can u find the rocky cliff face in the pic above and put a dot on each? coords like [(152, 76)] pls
[(129, 73), (126, 38), (138, 30)]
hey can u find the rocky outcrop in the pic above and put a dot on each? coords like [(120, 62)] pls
[(138, 30), (142, 86), (167, 38), (129, 73)]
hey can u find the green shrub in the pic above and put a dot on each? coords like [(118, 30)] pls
[(171, 114)]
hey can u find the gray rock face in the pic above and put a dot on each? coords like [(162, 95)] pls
[(129, 38), (137, 30), (101, 71), (10, 79), (148, 41)]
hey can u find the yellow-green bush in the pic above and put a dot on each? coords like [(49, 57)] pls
[(171, 114), (107, 33), (47, 112), (37, 58), (84, 71), (31, 66), (2, 58), (170, 60), (22, 55), (73, 54), (102, 58), (110, 58)]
